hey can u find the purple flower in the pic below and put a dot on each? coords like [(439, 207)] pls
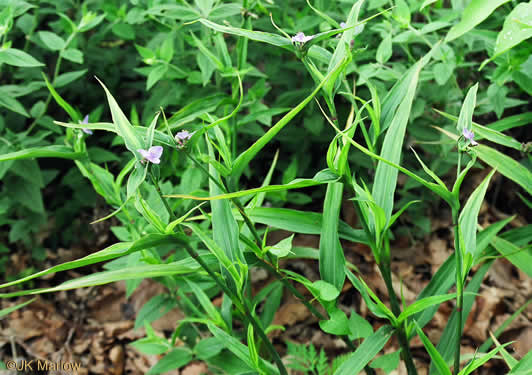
[(300, 37), (182, 137), (468, 134), (343, 25), (153, 154), (85, 122)]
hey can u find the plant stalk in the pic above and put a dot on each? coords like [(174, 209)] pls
[(459, 291)]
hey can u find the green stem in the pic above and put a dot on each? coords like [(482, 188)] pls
[(166, 205), (459, 291), (240, 306)]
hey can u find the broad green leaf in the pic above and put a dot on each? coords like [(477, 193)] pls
[(365, 352), (384, 51), (12, 104), (338, 324), (517, 28), (359, 327), (176, 359), (327, 291), (66, 78), (123, 127), (136, 178), (206, 303), (54, 151), (16, 57), (111, 252), (387, 362), (282, 248), (154, 309), (475, 12), (332, 259), (51, 40)]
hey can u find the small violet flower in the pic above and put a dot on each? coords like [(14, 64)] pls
[(468, 134), (300, 37), (153, 154), (343, 25), (84, 122), (183, 136)]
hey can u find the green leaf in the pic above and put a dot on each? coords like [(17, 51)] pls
[(66, 78), (136, 178), (332, 259), (338, 324), (319, 179), (506, 166), (176, 359), (122, 125), (387, 362), (468, 222), (243, 160), (365, 352), (9, 310), (517, 28), (401, 13), (475, 12), (282, 248), (157, 72), (54, 151), (206, 303), (16, 57), (74, 115), (301, 222), (519, 257), (111, 252), (422, 304), (154, 309), (73, 54), (359, 327), (51, 40), (384, 51), (259, 36), (436, 357), (325, 290), (225, 11), (386, 175), (523, 366), (12, 104), (466, 112), (183, 267)]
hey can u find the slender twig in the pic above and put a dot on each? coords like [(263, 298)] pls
[(166, 205)]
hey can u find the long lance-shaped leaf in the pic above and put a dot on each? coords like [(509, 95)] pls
[(111, 252), (140, 131), (332, 259), (299, 183), (54, 151), (505, 165), (259, 36), (122, 124), (365, 352), (443, 192), (224, 226), (445, 278), (185, 266), (465, 119), (386, 175), (446, 345), (485, 132), (245, 158), (468, 223), (519, 257), (9, 310)]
